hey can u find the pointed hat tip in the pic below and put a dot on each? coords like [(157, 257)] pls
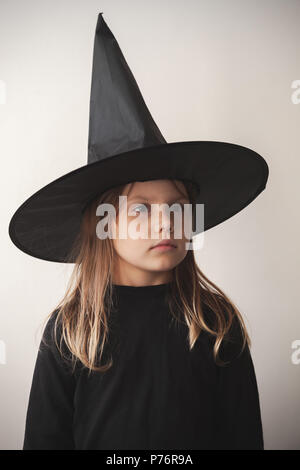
[(100, 22)]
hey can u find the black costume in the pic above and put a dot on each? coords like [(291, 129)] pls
[(157, 394)]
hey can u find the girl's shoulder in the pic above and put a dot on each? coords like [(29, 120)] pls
[(52, 338), (51, 328), (233, 343)]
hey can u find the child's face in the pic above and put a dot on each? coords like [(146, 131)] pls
[(136, 258)]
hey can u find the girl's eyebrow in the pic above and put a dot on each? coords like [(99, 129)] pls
[(142, 198)]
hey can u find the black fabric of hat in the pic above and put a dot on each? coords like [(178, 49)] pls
[(126, 145)]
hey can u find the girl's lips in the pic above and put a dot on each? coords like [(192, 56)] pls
[(163, 247)]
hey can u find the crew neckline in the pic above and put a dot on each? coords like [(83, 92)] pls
[(150, 289), (149, 286)]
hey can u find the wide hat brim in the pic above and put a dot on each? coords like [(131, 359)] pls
[(229, 176)]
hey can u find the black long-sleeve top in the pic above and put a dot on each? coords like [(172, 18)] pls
[(157, 395)]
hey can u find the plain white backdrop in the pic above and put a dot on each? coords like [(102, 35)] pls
[(208, 70)]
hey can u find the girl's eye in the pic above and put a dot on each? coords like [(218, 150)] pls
[(144, 209), (141, 208)]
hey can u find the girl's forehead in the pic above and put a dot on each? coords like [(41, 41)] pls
[(155, 189)]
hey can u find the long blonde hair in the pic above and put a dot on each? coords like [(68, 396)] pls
[(82, 314)]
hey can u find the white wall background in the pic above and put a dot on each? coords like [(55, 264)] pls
[(208, 70)]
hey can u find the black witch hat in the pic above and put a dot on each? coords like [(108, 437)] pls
[(126, 145)]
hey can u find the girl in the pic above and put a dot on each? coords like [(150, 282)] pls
[(143, 351)]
